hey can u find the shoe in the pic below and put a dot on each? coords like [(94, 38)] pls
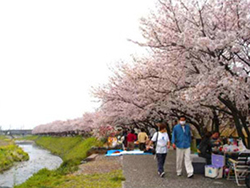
[(162, 174), (178, 174), (159, 173), (190, 176)]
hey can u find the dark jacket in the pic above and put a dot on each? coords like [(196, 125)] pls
[(205, 147)]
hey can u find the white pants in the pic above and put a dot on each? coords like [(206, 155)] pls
[(180, 154)]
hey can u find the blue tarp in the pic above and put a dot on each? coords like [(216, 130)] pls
[(122, 152), (114, 150)]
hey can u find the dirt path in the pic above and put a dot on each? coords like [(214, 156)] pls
[(101, 164)]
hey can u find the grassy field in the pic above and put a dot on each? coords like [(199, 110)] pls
[(52, 179), (10, 153), (72, 150)]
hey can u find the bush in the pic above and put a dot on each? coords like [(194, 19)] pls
[(9, 154)]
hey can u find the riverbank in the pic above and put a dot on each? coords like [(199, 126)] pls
[(10, 153), (72, 150), (38, 159)]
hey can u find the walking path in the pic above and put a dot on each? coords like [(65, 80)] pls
[(140, 171)]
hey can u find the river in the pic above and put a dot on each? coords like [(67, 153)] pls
[(21, 171)]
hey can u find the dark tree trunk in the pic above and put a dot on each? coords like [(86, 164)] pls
[(244, 124), (197, 125), (169, 131), (202, 130), (216, 122), (236, 116)]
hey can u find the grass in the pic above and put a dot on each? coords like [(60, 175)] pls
[(10, 153), (72, 150), (30, 137), (48, 179), (108, 180), (59, 145), (43, 178), (4, 141), (68, 148), (80, 150)]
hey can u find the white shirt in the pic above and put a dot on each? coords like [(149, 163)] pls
[(163, 139)]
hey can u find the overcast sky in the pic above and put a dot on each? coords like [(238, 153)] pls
[(52, 52)]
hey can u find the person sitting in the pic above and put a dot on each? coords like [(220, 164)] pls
[(142, 138), (112, 140), (215, 140), (131, 138), (124, 139), (235, 142), (215, 137), (205, 147)]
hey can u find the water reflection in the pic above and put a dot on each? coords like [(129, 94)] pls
[(39, 158)]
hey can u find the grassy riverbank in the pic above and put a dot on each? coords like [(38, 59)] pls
[(10, 153), (72, 150)]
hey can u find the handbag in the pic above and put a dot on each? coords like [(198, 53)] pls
[(155, 144)]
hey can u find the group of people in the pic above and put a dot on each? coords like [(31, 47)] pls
[(141, 138), (181, 142), (213, 143), (127, 138)]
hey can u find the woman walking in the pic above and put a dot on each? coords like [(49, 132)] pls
[(162, 142)]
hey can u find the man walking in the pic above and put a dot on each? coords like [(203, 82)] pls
[(181, 141)]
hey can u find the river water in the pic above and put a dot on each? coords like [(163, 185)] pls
[(39, 158)]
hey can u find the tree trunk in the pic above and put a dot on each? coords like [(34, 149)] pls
[(202, 130), (216, 122), (244, 124), (236, 117), (168, 130)]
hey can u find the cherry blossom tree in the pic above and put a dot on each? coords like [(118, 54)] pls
[(80, 125), (199, 65)]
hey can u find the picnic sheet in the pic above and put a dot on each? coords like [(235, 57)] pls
[(122, 152)]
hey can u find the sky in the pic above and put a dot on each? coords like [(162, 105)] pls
[(53, 51)]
